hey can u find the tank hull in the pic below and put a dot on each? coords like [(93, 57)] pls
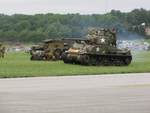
[(98, 59)]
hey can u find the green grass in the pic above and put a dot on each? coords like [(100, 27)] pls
[(148, 40), (19, 65)]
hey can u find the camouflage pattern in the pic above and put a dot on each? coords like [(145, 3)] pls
[(48, 50), (2, 51), (100, 49), (102, 36)]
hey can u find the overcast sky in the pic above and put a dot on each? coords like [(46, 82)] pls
[(69, 6)]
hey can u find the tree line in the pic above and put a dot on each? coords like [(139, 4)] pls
[(35, 28)]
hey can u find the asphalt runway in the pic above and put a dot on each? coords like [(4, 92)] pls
[(121, 93)]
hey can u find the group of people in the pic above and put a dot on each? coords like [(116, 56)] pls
[(134, 45)]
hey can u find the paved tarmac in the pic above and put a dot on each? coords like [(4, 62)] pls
[(121, 93)]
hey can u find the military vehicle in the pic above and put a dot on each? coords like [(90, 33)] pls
[(2, 50), (99, 48), (49, 50)]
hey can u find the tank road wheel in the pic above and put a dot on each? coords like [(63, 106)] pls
[(57, 53), (36, 57), (119, 62), (32, 58), (94, 60), (103, 61), (64, 55), (127, 61), (64, 58), (48, 57), (39, 57), (86, 60)]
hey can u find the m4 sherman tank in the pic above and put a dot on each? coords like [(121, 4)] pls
[(49, 50), (99, 48)]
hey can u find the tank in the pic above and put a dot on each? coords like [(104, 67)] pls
[(99, 48), (49, 50), (2, 50)]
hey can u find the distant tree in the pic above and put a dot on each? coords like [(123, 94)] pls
[(34, 28)]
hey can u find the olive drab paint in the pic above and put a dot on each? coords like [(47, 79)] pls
[(100, 48)]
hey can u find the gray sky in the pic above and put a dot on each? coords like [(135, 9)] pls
[(70, 6)]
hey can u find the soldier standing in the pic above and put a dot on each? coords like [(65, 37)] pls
[(2, 51)]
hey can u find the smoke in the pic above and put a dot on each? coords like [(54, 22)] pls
[(141, 56), (129, 36), (124, 34), (134, 45)]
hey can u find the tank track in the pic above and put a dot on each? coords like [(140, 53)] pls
[(99, 60), (36, 57)]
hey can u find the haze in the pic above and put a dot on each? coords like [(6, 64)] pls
[(69, 6)]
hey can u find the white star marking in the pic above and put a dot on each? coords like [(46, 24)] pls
[(102, 40)]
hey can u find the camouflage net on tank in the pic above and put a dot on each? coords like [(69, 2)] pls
[(102, 36)]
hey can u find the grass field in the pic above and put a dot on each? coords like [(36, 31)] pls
[(19, 65)]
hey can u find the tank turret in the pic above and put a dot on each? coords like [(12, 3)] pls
[(102, 36)]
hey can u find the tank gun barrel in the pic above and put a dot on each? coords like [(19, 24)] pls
[(75, 39)]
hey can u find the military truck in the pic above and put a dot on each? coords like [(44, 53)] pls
[(99, 48), (2, 50), (49, 50)]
